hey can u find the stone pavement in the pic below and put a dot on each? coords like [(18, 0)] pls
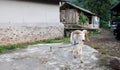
[(50, 57)]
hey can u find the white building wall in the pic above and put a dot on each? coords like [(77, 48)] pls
[(17, 12), (22, 21)]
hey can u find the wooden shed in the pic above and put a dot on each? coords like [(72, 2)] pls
[(69, 15)]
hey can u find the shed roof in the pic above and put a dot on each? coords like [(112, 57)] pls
[(76, 7), (115, 7)]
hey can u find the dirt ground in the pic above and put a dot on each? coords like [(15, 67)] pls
[(105, 42)]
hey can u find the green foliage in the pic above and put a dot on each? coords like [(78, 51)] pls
[(8, 48), (94, 33), (78, 2), (100, 7), (95, 46), (113, 2), (104, 52), (103, 24), (83, 19), (2, 49)]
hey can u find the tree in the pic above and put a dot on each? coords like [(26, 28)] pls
[(101, 8), (77, 2)]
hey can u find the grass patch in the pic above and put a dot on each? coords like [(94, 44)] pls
[(94, 33), (63, 40), (99, 48), (5, 49), (95, 46), (104, 52)]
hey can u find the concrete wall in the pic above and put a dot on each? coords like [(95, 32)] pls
[(22, 22)]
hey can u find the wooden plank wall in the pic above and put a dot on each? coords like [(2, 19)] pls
[(69, 16)]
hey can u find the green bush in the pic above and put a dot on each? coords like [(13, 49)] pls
[(103, 24), (83, 19)]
